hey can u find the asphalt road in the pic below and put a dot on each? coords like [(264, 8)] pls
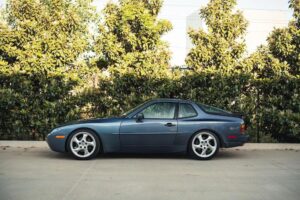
[(38, 173)]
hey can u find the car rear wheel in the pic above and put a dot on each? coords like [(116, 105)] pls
[(83, 144), (204, 145)]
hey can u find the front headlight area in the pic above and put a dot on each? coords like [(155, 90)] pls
[(57, 133), (55, 130), (56, 139)]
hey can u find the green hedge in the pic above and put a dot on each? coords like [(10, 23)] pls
[(32, 104), (30, 107)]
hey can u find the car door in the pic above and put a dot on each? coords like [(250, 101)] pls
[(157, 128)]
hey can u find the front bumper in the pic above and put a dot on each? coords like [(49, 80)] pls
[(55, 144)]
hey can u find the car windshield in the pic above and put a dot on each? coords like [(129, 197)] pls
[(133, 109), (213, 110)]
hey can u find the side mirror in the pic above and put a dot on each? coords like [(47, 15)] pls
[(139, 117)]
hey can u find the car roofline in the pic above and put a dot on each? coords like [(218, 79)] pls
[(171, 100)]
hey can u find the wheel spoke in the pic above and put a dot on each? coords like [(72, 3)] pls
[(203, 153), (197, 146), (209, 138), (92, 143), (76, 140), (86, 151), (210, 146), (77, 149), (200, 138), (84, 137)]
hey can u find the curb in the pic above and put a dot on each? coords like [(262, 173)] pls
[(247, 146), (269, 146), (23, 144)]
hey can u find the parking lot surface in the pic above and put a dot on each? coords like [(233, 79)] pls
[(38, 173)]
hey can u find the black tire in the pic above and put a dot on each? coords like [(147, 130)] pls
[(90, 135), (195, 155)]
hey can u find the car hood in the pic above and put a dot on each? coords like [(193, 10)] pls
[(93, 120)]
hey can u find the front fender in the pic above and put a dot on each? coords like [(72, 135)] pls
[(108, 134)]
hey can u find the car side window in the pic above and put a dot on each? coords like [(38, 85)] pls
[(163, 110), (186, 110)]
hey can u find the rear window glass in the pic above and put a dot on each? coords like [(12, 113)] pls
[(213, 110)]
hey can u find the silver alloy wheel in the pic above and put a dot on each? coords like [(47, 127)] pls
[(83, 144), (204, 144)]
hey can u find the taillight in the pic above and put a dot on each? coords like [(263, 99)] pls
[(242, 128), (231, 136)]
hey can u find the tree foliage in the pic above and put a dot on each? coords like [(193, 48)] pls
[(221, 46), (262, 65), (284, 43), (130, 38)]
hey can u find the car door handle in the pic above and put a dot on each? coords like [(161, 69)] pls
[(169, 124)]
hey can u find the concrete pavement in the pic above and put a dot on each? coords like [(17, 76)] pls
[(33, 172)]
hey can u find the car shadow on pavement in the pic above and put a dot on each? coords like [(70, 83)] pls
[(223, 154)]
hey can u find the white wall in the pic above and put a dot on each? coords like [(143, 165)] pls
[(261, 23)]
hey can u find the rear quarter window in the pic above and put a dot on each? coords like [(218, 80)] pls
[(186, 110), (213, 110)]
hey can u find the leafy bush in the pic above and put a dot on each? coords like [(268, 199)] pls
[(32, 104)]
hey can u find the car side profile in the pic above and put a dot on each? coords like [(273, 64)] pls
[(157, 126)]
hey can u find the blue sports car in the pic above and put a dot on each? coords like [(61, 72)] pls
[(160, 125)]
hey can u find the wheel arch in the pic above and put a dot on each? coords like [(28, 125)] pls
[(85, 128), (202, 130)]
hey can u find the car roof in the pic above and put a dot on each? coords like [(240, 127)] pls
[(171, 100)]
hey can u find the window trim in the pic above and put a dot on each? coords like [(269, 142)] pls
[(174, 116), (196, 113)]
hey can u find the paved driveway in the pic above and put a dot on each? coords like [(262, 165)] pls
[(38, 173)]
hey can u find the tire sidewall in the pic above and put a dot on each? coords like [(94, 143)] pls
[(94, 154), (194, 155)]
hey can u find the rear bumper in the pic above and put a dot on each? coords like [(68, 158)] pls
[(240, 141)]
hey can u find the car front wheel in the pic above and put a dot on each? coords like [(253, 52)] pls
[(204, 145), (83, 144)]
